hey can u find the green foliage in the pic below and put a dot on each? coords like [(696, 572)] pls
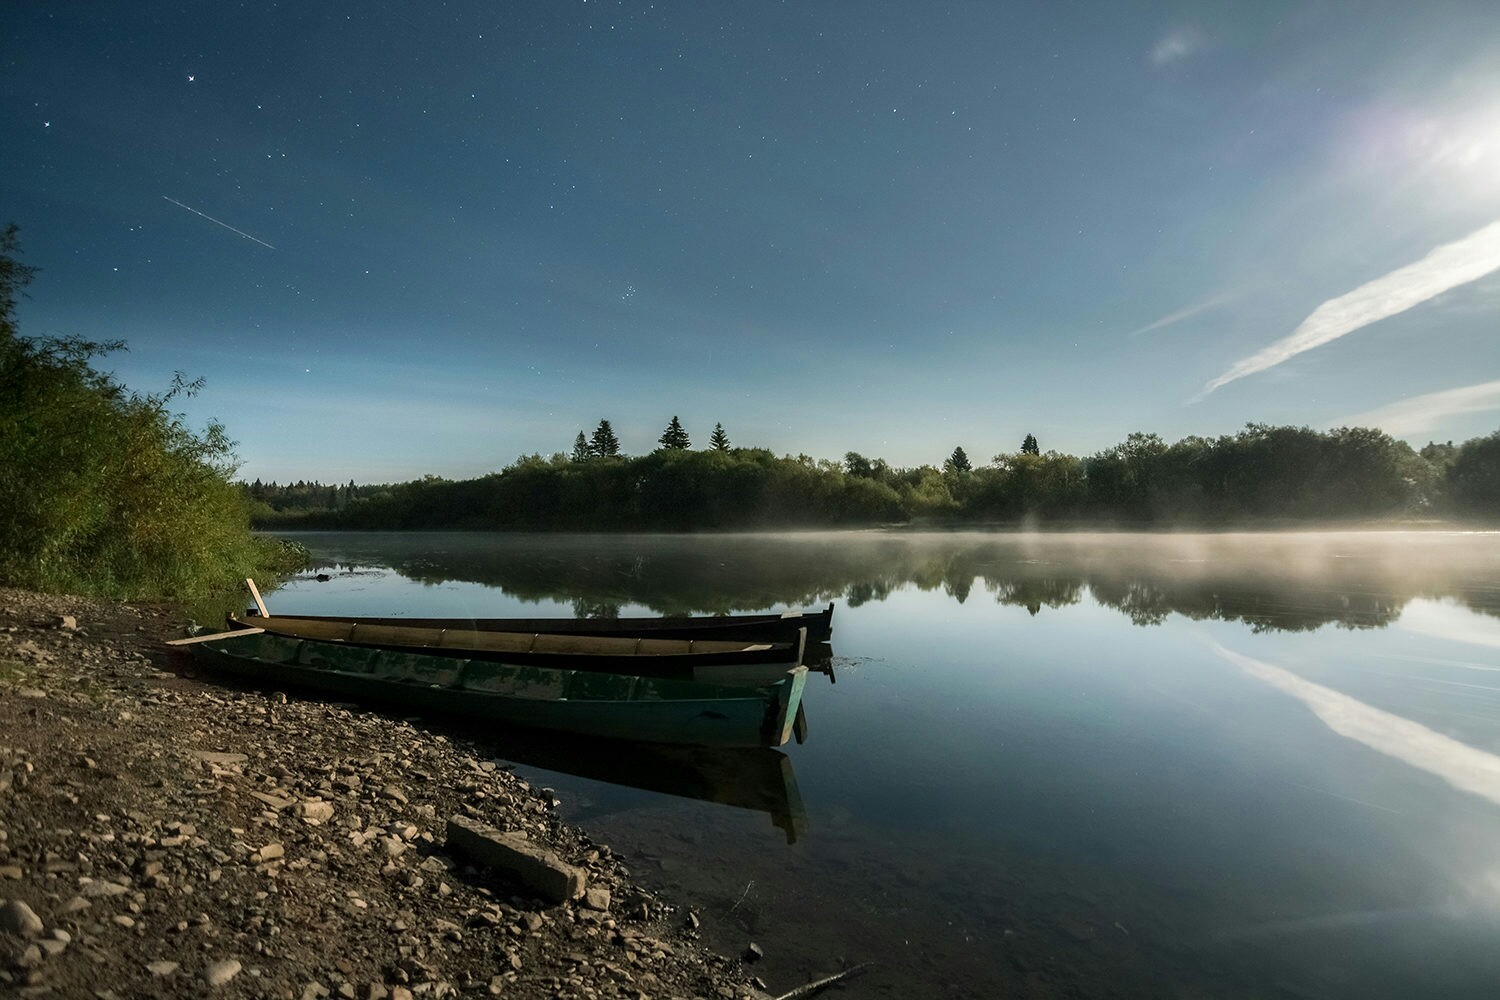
[(719, 441), (958, 461), (604, 444), (674, 438), (1474, 477), (103, 490), (1029, 446)]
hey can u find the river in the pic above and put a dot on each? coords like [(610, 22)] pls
[(1237, 765)]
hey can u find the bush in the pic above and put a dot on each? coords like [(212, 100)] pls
[(104, 491)]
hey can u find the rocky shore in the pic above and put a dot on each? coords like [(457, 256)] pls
[(166, 835)]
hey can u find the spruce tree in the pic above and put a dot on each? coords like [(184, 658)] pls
[(719, 440), (604, 444), (582, 452), (1029, 446), (958, 461), (674, 438)]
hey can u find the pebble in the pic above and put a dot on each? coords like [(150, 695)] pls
[(18, 918), (222, 972), (596, 899), (161, 968)]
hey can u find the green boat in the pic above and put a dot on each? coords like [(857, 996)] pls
[(615, 706)]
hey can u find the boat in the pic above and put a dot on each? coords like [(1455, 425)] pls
[(713, 660), (758, 628), (586, 703)]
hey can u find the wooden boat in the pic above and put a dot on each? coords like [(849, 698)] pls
[(614, 706), (757, 628), (714, 660)]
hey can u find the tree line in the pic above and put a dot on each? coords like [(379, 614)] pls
[(1261, 474)]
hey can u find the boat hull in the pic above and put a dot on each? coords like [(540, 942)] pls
[(756, 628), (613, 706), (713, 661)]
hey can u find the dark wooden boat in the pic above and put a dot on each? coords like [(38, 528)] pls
[(757, 628), (714, 660), (613, 706)]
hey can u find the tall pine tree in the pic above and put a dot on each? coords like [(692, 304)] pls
[(1029, 446), (958, 461), (674, 438), (604, 444), (719, 440), (582, 452)]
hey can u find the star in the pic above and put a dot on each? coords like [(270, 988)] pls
[(191, 78)]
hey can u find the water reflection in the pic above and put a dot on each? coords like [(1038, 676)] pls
[(752, 778), (1036, 776), (1278, 582)]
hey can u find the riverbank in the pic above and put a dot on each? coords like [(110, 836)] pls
[(163, 835)]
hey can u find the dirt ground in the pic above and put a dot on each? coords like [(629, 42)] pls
[(166, 835)]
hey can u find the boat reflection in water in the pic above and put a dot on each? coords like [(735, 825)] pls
[(756, 778)]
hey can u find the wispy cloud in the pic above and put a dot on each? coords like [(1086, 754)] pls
[(1446, 267), (1421, 414), (1176, 45), (1187, 312)]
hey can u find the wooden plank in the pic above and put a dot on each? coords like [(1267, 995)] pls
[(192, 640), (256, 594)]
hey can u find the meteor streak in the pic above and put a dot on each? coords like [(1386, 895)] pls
[(216, 222)]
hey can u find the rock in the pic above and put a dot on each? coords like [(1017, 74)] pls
[(222, 972), (276, 802), (314, 991), (75, 904), (11, 871), (400, 993), (394, 793), (754, 952), (214, 757), (596, 899), (97, 888), (315, 811), (534, 867), (19, 919), (67, 623), (161, 968), (268, 853), (377, 991)]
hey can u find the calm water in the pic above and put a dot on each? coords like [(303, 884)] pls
[(1179, 766)]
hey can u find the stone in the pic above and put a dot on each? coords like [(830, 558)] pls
[(269, 853), (315, 811), (98, 888), (161, 968), (536, 868), (394, 793), (597, 899), (754, 952), (377, 991), (214, 757), (19, 919), (276, 802), (222, 972), (75, 904)]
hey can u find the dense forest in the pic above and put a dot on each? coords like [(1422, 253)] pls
[(1262, 474), (104, 490)]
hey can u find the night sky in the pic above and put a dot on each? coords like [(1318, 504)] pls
[(408, 238)]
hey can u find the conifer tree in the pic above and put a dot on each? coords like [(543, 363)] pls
[(719, 440), (604, 444), (958, 461), (674, 438), (582, 452), (1029, 446)]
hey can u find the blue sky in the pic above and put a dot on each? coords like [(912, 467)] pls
[(400, 239)]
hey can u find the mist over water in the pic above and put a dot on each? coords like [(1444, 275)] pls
[(1117, 765)]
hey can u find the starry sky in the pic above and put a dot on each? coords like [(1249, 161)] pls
[(410, 238)]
